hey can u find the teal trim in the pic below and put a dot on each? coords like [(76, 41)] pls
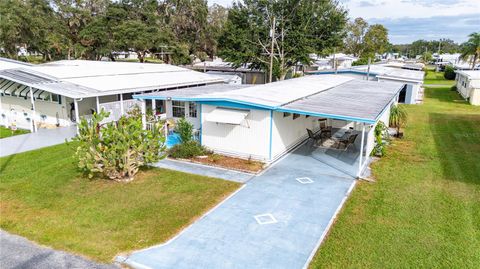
[(230, 104), (271, 128)]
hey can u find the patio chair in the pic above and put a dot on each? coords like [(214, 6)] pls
[(326, 131), (347, 142), (314, 137)]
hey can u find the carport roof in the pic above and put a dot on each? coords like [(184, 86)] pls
[(357, 99), (330, 96), (80, 79)]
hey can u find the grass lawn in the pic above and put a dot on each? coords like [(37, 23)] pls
[(6, 132), (433, 77), (44, 198), (424, 209)]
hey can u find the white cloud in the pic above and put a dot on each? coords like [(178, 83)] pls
[(409, 8)]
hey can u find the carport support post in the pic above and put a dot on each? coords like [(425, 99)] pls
[(98, 104), (144, 116), (361, 151), (121, 104), (32, 100), (77, 117)]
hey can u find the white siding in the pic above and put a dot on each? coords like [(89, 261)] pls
[(287, 133), (16, 109), (249, 139)]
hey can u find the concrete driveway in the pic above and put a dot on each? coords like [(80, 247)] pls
[(18, 253), (42, 138), (277, 220)]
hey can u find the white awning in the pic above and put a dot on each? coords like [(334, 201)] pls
[(225, 115)]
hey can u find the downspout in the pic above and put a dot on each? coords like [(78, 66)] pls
[(33, 128)]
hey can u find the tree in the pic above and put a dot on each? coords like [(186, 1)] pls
[(301, 27), (426, 57), (375, 41), (117, 149), (356, 33), (188, 22), (13, 29), (471, 48), (217, 17)]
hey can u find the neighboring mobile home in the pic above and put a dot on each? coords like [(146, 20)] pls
[(468, 85), (58, 93), (264, 122), (412, 92)]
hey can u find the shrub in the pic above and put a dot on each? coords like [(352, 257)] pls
[(449, 72), (185, 130), (361, 61), (117, 149), (381, 136), (187, 150)]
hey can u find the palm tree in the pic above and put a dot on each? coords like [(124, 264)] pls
[(471, 48), (398, 117)]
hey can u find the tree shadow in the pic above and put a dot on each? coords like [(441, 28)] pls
[(457, 140)]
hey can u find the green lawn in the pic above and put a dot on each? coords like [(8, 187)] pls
[(44, 198), (432, 77), (6, 132), (423, 211)]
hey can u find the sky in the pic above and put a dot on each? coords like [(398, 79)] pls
[(410, 20)]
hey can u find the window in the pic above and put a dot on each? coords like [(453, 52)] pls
[(55, 98), (192, 109), (295, 116), (306, 116), (286, 114), (178, 109)]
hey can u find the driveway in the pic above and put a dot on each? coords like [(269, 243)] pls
[(42, 138), (277, 220), (18, 252)]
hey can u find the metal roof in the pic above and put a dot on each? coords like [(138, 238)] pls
[(278, 93), (80, 79), (394, 73), (332, 96), (359, 99), (9, 63), (472, 74)]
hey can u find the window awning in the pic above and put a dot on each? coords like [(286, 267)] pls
[(225, 115)]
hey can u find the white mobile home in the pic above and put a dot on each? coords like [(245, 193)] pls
[(264, 122), (57, 93), (468, 85)]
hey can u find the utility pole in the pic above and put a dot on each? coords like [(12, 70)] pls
[(272, 35), (335, 60), (368, 69)]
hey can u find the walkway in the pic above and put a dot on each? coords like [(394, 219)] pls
[(277, 220), (42, 138), (18, 252), (204, 170)]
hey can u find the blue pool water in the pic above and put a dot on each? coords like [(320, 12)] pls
[(172, 140)]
